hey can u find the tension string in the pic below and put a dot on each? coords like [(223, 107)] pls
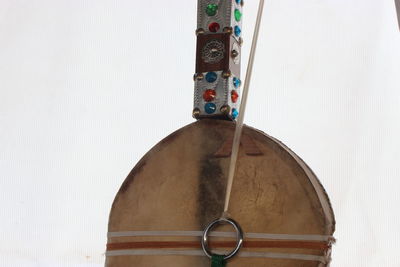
[(243, 103)]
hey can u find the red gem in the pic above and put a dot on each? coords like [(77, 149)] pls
[(214, 27), (209, 95), (234, 96)]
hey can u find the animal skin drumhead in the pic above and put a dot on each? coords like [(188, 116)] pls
[(178, 188)]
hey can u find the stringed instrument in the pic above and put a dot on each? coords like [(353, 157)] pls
[(217, 192)]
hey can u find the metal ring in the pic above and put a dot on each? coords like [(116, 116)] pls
[(239, 237)]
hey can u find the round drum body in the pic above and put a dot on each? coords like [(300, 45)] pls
[(178, 188)]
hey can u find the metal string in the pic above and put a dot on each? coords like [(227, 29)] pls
[(239, 123)]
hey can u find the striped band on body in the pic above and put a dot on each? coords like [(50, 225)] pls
[(221, 234), (319, 243), (199, 252)]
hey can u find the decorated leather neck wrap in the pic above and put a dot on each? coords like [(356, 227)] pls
[(218, 53)]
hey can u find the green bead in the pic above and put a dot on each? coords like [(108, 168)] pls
[(212, 9), (238, 15)]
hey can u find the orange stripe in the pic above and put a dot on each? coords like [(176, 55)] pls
[(219, 244)]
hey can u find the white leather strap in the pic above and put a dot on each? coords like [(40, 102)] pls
[(222, 234)]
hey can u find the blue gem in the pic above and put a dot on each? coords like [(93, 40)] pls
[(238, 1), (236, 82), (211, 77), (238, 31), (210, 108), (235, 113)]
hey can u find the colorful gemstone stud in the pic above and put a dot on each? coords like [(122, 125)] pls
[(211, 77), (236, 82), (212, 9), (209, 95), (210, 108), (235, 113), (237, 31), (238, 15), (234, 96), (214, 27)]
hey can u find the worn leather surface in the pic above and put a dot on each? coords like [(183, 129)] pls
[(179, 185)]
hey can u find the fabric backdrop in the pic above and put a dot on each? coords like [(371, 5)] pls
[(87, 87)]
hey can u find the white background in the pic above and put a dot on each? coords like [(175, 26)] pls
[(87, 87)]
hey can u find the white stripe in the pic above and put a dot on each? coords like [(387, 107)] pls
[(221, 234), (145, 252)]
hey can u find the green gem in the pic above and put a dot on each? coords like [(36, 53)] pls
[(238, 15), (212, 9)]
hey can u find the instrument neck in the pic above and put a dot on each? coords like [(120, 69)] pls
[(218, 58)]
